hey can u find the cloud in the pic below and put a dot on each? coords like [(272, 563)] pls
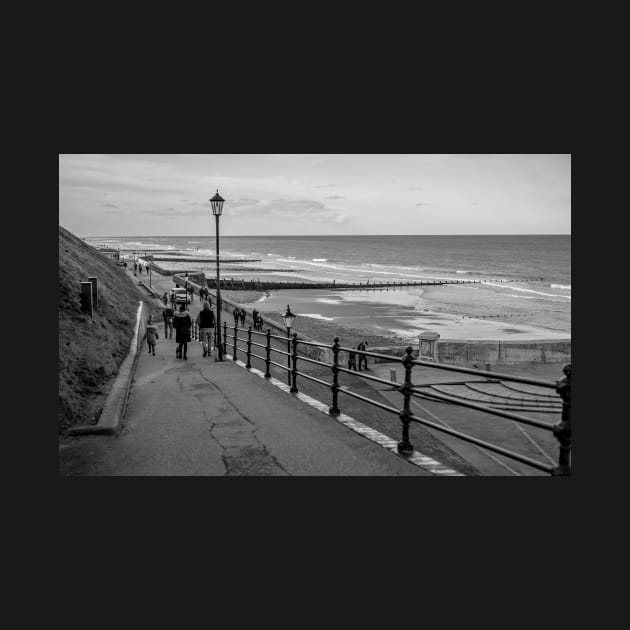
[(108, 205), (416, 188), (423, 203), (242, 203), (327, 186), (334, 197), (307, 209), (475, 203)]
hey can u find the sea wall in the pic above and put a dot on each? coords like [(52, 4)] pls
[(503, 352)]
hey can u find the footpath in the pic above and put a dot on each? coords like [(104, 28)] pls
[(201, 417)]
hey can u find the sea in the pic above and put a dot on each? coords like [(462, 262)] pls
[(524, 290)]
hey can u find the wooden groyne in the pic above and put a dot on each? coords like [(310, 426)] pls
[(255, 285)]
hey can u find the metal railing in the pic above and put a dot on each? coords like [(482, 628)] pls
[(408, 390)]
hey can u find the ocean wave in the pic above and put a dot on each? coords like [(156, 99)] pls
[(317, 316), (460, 271), (513, 288), (320, 259), (561, 286)]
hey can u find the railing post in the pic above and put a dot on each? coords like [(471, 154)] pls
[(294, 343), (405, 447), (249, 348), (562, 430), (268, 354), (334, 410), (235, 332), (224, 337)]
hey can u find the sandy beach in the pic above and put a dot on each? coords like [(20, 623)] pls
[(401, 314)]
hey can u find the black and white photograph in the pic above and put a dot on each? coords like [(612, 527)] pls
[(319, 315)]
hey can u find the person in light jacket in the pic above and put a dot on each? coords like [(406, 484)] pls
[(152, 334)]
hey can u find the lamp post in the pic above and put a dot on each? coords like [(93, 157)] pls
[(289, 318), (217, 208), (186, 279)]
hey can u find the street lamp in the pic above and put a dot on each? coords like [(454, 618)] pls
[(217, 208), (289, 318), (186, 278)]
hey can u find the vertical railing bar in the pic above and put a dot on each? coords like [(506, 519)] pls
[(268, 354), (334, 409), (294, 358), (405, 447), (249, 348), (562, 430)]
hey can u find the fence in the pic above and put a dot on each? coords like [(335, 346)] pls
[(250, 346)]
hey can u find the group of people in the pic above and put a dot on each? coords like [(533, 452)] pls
[(352, 358), (240, 314), (181, 321), (258, 320), (138, 267)]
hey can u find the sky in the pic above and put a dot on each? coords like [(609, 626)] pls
[(323, 194)]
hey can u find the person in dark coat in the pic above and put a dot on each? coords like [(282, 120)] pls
[(236, 312), (168, 314), (243, 316), (362, 357), (183, 324), (205, 321), (352, 361)]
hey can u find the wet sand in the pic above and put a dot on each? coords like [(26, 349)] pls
[(404, 314)]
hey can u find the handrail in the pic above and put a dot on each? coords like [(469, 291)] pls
[(561, 430)]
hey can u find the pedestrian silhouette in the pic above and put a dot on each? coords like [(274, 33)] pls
[(352, 360), (183, 324)]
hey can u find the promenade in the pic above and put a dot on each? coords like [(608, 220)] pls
[(200, 417)]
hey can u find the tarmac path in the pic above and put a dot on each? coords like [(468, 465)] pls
[(200, 417)]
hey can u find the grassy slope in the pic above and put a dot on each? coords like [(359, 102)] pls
[(90, 353)]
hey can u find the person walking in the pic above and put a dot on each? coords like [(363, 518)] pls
[(362, 357), (205, 321), (255, 318), (173, 300), (168, 315), (165, 298), (236, 314), (352, 360), (243, 315), (152, 334), (182, 324)]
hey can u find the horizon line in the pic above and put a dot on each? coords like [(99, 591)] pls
[(311, 235)]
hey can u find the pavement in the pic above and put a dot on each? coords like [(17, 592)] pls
[(201, 417)]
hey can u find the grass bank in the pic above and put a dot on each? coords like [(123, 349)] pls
[(90, 352)]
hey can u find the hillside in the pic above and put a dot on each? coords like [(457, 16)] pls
[(90, 353)]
